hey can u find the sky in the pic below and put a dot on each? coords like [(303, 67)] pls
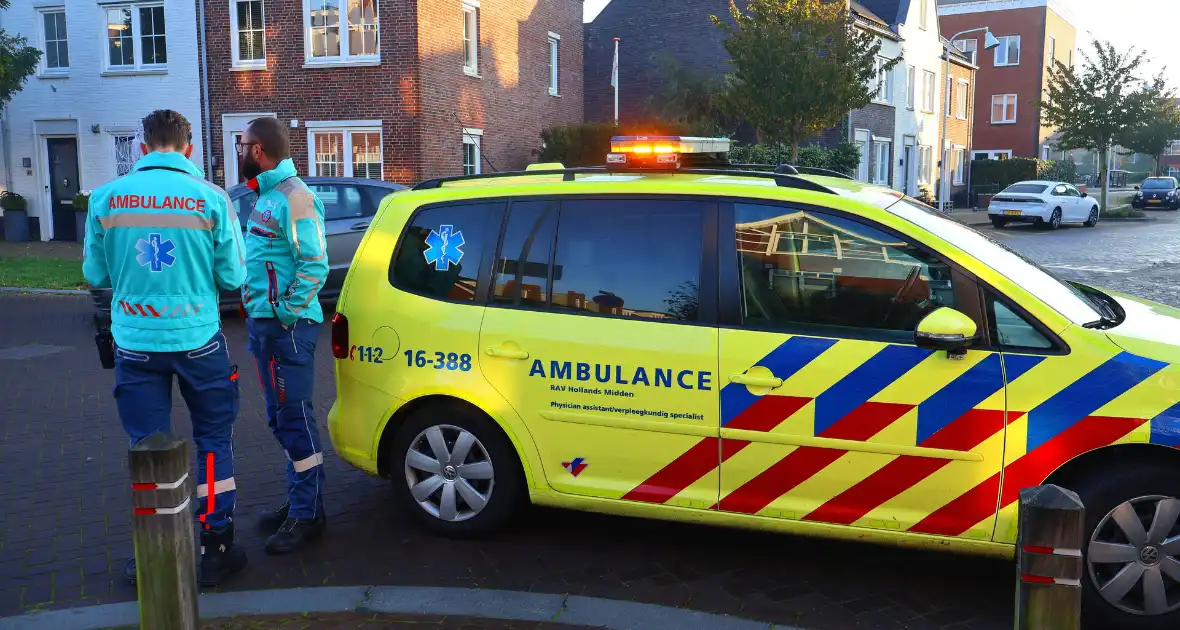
[(1122, 22)]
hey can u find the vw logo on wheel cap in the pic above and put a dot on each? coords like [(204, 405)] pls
[(1149, 555)]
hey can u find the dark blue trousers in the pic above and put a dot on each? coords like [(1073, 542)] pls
[(208, 383), (286, 367)]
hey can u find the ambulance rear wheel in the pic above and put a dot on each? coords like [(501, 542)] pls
[(1132, 548), (456, 472)]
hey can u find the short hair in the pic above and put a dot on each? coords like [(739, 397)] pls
[(272, 136), (167, 128)]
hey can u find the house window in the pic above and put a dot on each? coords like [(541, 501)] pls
[(1008, 52), (554, 39), (125, 147), (1052, 50), (884, 82), (472, 139), (1174, 147), (911, 87), (326, 43), (57, 54), (946, 104), (923, 13), (928, 98), (1045, 153), (959, 162), (1004, 108), (345, 151), (924, 154), (471, 38), (249, 36), (136, 38), (1071, 58), (968, 47), (880, 161), (961, 100)]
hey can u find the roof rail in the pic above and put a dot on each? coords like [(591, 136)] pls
[(784, 180), (810, 170)]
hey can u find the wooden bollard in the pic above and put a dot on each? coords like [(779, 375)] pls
[(1049, 559), (165, 555)]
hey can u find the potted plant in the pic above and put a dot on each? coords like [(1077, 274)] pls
[(81, 206), (16, 216)]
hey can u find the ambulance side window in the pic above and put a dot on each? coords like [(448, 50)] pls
[(824, 273), (441, 250), (522, 266), (1011, 331)]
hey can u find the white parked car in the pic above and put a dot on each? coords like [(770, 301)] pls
[(1043, 203)]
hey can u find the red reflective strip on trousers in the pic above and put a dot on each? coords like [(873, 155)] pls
[(143, 486), (211, 482)]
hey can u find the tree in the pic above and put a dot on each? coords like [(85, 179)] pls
[(1154, 133), (1096, 106), (18, 61), (686, 96), (799, 67)]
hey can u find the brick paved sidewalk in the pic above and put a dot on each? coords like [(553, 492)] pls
[(375, 621)]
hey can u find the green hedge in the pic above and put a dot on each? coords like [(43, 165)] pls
[(1002, 173), (844, 158)]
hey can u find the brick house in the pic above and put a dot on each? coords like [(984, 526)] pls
[(1014, 76), (413, 89), (960, 109), (683, 30)]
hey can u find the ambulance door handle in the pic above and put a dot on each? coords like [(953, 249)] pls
[(360, 226), (506, 353), (756, 381)]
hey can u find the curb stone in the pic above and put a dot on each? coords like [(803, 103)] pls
[(467, 602), (43, 291)]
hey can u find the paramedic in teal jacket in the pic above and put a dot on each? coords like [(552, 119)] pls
[(165, 241), (286, 265)]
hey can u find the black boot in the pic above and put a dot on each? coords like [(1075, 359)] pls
[(220, 557), (129, 570), (294, 533), (271, 521)]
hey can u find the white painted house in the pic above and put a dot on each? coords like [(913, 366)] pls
[(105, 65), (919, 121)]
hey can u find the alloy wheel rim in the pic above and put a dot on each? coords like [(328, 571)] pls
[(1093, 216), (1132, 556), (1055, 220), (449, 473)]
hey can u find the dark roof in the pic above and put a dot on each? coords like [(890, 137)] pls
[(864, 12), (890, 11)]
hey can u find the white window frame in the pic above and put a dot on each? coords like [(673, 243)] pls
[(470, 40), (1004, 108), (879, 164), (1003, 47), (924, 14), (347, 128), (962, 98), (1173, 148), (884, 82), (345, 58), (960, 162), (925, 157), (1045, 152), (473, 137), (43, 69), (235, 41), (114, 133), (993, 154), (948, 101), (554, 60), (911, 97), (863, 140), (929, 85), (137, 66), (972, 54), (1052, 50)]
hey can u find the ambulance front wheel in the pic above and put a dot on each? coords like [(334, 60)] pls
[(1132, 548), (456, 472)]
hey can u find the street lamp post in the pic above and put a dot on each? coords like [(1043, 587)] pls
[(989, 42)]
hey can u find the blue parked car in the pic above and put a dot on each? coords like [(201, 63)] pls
[(349, 206)]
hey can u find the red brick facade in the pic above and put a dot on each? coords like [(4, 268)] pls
[(959, 122), (418, 89), (1035, 26)]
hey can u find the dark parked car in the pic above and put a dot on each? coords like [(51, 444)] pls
[(1157, 192), (349, 205)]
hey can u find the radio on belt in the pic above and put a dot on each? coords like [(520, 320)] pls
[(663, 152)]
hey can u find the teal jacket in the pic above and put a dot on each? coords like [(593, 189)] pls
[(286, 254), (165, 241)]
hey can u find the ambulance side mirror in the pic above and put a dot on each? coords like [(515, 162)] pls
[(946, 329)]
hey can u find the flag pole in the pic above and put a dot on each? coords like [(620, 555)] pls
[(615, 80)]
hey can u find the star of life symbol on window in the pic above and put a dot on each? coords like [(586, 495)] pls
[(155, 253), (445, 247)]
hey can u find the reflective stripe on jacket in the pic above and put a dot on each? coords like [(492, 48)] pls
[(165, 241)]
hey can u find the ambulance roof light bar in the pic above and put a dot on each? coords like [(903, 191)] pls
[(663, 152)]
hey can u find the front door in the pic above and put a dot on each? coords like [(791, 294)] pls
[(63, 186), (830, 412), (908, 169), (600, 336)]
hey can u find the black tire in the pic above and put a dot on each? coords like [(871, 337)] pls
[(998, 222), (1093, 219), (1054, 221), (1101, 493), (505, 497)]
